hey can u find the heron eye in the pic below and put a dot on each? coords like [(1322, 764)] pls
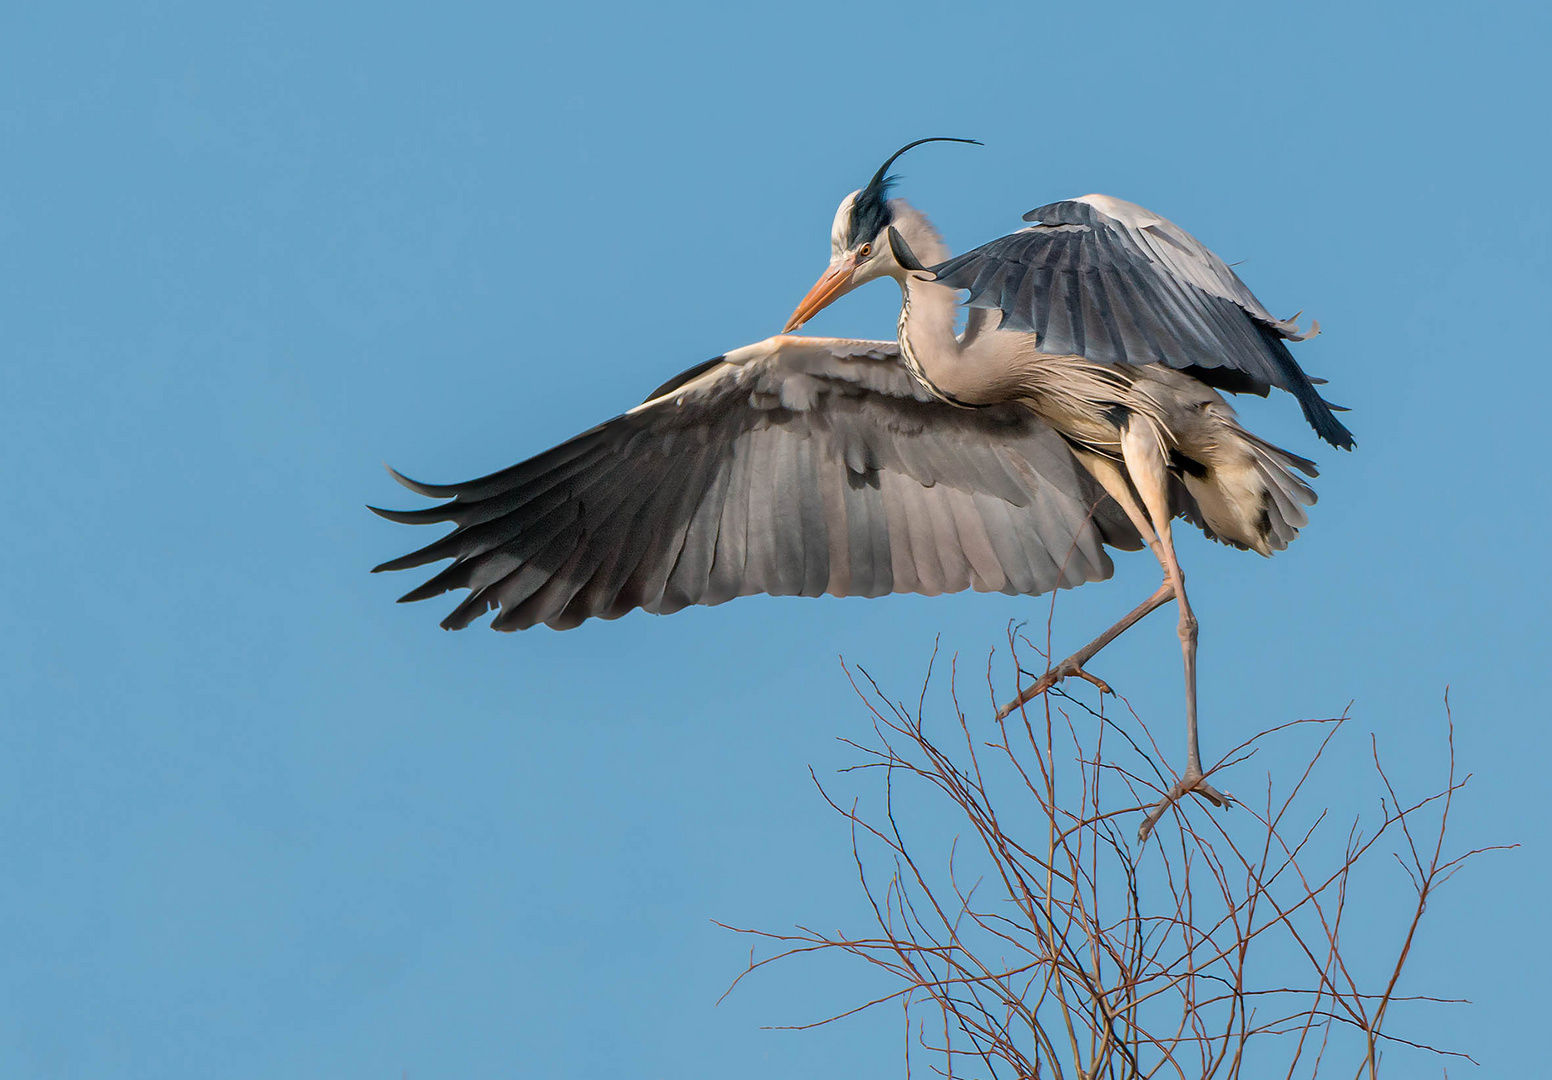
[(865, 250)]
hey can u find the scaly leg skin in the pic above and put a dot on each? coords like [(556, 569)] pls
[(1142, 450), (1073, 665)]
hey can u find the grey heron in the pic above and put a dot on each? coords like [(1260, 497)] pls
[(1078, 408)]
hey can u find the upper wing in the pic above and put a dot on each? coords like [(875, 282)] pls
[(1108, 280), (793, 466)]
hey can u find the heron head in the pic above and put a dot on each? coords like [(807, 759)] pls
[(861, 245)]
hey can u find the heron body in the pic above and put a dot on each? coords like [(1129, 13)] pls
[(1238, 488), (1078, 409)]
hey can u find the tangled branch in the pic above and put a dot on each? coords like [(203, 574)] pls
[(1046, 946)]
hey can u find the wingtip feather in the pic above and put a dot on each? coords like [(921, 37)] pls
[(429, 515), (435, 491)]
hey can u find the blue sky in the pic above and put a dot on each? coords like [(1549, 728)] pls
[(257, 820)]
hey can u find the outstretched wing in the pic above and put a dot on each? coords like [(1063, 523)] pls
[(1106, 279), (796, 466)]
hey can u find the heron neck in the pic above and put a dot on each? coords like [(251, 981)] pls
[(962, 371), (931, 349), (927, 316), (974, 369), (927, 310)]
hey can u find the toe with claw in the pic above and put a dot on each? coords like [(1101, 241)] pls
[(1193, 783), (1066, 669)]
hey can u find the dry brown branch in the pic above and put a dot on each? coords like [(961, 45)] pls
[(1045, 945)]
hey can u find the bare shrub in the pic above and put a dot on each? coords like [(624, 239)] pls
[(1046, 943)]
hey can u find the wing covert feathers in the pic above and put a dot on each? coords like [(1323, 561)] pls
[(1105, 279), (792, 467)]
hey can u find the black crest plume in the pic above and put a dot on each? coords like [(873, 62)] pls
[(870, 213)]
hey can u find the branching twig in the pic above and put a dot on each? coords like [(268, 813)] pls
[(1071, 955)]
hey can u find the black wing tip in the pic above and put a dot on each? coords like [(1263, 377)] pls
[(1317, 410), (424, 516), (457, 620), (474, 605), (434, 491), (425, 591), (399, 563), (407, 562), (461, 616), (1329, 428)]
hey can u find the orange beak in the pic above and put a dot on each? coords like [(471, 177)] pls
[(835, 282)]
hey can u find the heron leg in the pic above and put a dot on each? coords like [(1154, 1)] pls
[(1114, 481), (1142, 449), (1073, 665)]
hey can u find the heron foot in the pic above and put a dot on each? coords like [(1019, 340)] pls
[(1192, 783), (1066, 669)]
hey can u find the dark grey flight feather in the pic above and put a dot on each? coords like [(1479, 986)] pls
[(1105, 279), (795, 467)]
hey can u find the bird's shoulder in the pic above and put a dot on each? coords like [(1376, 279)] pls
[(787, 371)]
